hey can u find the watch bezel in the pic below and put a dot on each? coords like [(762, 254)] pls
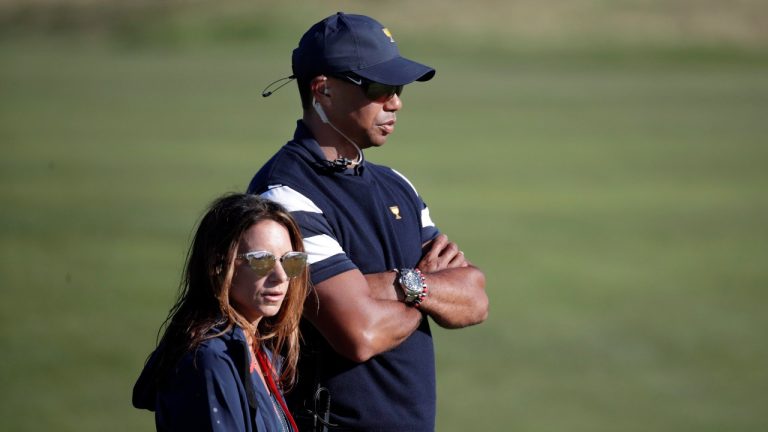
[(412, 283)]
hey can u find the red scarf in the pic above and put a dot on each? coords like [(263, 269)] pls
[(269, 376)]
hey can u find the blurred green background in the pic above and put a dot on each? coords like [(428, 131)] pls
[(603, 161)]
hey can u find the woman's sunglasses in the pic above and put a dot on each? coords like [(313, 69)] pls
[(375, 92), (262, 262)]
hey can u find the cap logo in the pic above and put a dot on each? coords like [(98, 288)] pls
[(389, 34)]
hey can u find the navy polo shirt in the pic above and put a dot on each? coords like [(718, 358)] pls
[(370, 218)]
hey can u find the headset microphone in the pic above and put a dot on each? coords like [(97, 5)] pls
[(266, 92), (338, 165)]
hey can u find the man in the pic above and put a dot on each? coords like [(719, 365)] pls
[(379, 265)]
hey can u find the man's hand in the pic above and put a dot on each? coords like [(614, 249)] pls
[(441, 254), (457, 295)]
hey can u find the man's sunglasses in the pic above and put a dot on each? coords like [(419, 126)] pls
[(376, 92), (262, 262)]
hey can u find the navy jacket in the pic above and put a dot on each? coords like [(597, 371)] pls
[(211, 389)]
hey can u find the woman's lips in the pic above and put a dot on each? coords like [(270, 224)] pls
[(274, 296)]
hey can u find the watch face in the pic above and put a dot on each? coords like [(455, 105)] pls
[(411, 282)]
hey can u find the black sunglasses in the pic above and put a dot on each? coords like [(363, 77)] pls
[(374, 91), (262, 262)]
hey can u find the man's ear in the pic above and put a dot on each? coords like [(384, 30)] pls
[(319, 86)]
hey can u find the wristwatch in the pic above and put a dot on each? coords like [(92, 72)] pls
[(413, 284)]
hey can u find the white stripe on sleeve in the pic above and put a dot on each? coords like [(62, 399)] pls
[(320, 247), (426, 221), (290, 199)]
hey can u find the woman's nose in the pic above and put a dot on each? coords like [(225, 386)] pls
[(278, 273)]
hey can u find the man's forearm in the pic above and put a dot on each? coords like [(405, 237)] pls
[(456, 297), (360, 315), (383, 285)]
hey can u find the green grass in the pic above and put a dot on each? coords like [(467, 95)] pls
[(616, 199)]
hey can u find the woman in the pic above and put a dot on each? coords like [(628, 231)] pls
[(231, 340)]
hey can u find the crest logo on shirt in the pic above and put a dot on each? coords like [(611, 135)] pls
[(389, 34), (395, 211)]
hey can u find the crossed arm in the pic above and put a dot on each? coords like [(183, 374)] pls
[(364, 315)]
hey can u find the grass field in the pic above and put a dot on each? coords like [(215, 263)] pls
[(615, 195)]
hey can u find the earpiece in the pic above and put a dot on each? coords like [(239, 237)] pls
[(319, 110), (316, 105)]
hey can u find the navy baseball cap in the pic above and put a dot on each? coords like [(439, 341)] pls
[(359, 44)]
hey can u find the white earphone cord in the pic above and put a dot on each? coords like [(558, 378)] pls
[(324, 118), (359, 152)]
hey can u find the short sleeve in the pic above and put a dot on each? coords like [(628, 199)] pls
[(326, 256)]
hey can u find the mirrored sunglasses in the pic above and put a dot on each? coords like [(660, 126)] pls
[(376, 92), (262, 262)]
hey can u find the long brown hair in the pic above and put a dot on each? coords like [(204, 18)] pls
[(203, 302)]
